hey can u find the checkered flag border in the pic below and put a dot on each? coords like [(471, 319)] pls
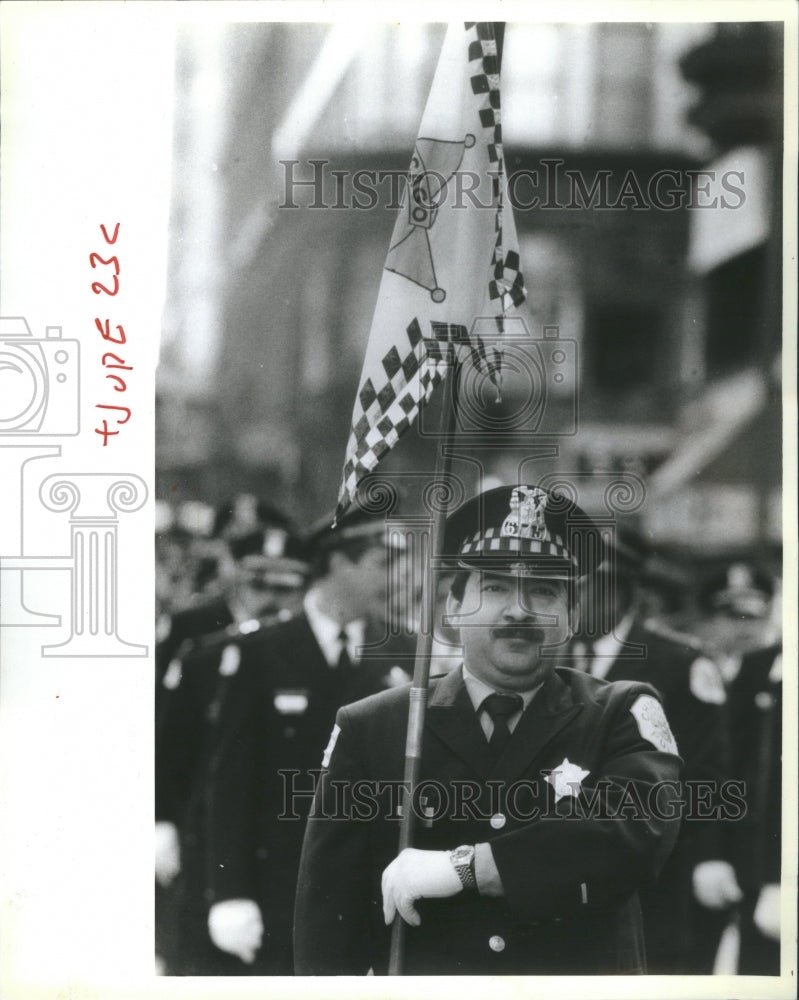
[(507, 282), (413, 370), (386, 414)]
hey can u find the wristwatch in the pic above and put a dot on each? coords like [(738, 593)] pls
[(462, 859)]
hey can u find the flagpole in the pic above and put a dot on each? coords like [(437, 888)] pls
[(424, 644), (424, 641)]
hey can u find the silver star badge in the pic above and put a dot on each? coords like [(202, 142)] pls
[(566, 779)]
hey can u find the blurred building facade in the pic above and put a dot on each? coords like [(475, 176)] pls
[(622, 230)]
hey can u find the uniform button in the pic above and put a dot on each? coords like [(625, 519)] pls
[(497, 821), (496, 943)]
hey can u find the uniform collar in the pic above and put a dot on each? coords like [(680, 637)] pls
[(451, 717), (478, 690), (606, 647), (327, 631)]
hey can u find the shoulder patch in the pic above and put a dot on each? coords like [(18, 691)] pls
[(173, 675), (652, 725), (331, 746), (706, 683), (163, 628), (229, 663), (396, 677)]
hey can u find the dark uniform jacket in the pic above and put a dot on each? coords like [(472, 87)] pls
[(570, 881), (756, 839), (200, 619), (186, 682), (681, 936), (274, 719)]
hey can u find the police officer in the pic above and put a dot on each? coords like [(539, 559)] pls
[(736, 604), (526, 860), (684, 911), (746, 619), (267, 583), (252, 541), (288, 683), (756, 841)]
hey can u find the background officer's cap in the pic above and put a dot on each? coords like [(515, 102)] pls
[(275, 554), (742, 590), (356, 526), (522, 531)]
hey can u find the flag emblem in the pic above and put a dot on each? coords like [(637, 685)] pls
[(452, 259)]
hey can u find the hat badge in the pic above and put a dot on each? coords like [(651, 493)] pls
[(526, 517)]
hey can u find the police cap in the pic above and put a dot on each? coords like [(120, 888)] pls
[(522, 531)]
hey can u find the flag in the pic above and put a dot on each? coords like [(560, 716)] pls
[(453, 257)]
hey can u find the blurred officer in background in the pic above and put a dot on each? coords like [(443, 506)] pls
[(743, 599), (756, 843), (266, 583), (506, 883), (737, 606), (273, 727), (685, 910), (240, 594)]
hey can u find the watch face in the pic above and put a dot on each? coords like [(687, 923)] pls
[(462, 855)]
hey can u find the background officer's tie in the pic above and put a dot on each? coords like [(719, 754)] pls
[(344, 665), (501, 707)]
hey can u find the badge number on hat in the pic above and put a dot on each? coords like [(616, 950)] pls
[(526, 518)]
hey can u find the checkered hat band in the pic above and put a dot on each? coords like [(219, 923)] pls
[(490, 543)]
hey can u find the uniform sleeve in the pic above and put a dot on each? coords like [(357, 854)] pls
[(593, 851), (234, 795), (180, 735), (701, 728), (333, 906)]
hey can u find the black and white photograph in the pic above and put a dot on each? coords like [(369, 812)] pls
[(398, 549)]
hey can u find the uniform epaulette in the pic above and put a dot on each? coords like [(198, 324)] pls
[(663, 631)]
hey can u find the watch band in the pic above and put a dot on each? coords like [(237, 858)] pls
[(462, 859)]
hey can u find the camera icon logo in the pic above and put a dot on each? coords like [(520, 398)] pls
[(539, 383), (39, 381)]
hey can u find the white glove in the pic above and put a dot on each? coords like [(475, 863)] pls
[(236, 927), (715, 885), (167, 852), (416, 875), (767, 911)]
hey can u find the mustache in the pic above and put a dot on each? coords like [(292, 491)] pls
[(529, 630)]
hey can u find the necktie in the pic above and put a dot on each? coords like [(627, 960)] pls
[(344, 665), (501, 707)]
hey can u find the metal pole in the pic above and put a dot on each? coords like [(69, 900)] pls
[(424, 640), (424, 645)]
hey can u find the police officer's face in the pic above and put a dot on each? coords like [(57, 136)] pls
[(504, 621), (259, 591), (361, 584)]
